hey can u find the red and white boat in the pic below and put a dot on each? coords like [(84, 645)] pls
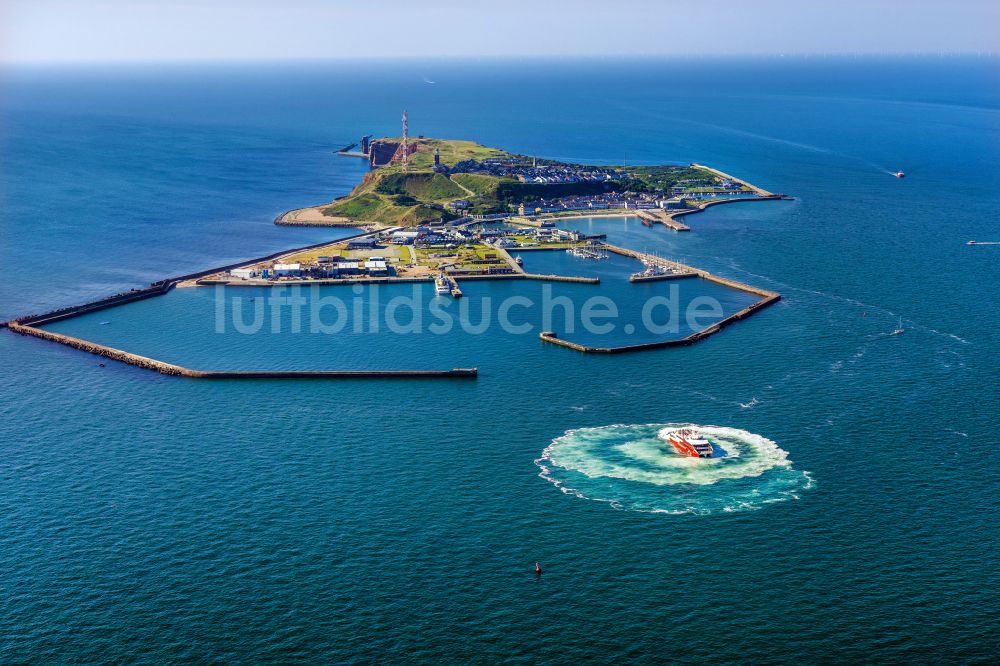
[(689, 442)]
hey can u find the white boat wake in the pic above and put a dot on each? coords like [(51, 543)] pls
[(632, 467)]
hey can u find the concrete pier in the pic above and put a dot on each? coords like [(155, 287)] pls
[(662, 217), (659, 278), (562, 278)]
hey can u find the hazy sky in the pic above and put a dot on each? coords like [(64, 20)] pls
[(143, 30)]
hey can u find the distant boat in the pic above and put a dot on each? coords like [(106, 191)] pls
[(899, 327), (105, 323), (518, 260), (899, 174)]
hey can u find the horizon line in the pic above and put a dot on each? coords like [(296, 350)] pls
[(502, 57)]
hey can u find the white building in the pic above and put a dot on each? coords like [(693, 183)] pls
[(348, 267), (287, 270), (674, 202), (377, 266), (243, 273)]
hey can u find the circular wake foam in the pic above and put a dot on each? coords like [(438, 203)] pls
[(634, 467)]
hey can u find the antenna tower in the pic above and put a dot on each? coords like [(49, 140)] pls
[(406, 140)]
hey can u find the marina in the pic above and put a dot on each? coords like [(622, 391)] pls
[(591, 252), (658, 268)]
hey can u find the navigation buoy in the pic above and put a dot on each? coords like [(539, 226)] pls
[(538, 569)]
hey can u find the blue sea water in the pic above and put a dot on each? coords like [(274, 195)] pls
[(148, 518)]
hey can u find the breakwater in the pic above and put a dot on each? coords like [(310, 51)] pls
[(758, 190), (666, 219), (29, 326), (157, 288), (551, 336), (181, 371), (99, 350), (719, 202), (766, 298)]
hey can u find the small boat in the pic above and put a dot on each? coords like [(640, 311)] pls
[(689, 442), (971, 243), (899, 327), (518, 260), (105, 323), (899, 174)]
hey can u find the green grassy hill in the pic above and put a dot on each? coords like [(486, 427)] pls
[(390, 196), (481, 184), (452, 152), (398, 198), (665, 177), (421, 186)]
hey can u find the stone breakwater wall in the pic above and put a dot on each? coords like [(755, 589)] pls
[(550, 336), (28, 326), (709, 204), (180, 371), (157, 288), (102, 350), (767, 298)]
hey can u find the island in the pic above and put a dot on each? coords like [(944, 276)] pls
[(443, 181), (445, 211)]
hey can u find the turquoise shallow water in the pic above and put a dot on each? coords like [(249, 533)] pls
[(152, 519)]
